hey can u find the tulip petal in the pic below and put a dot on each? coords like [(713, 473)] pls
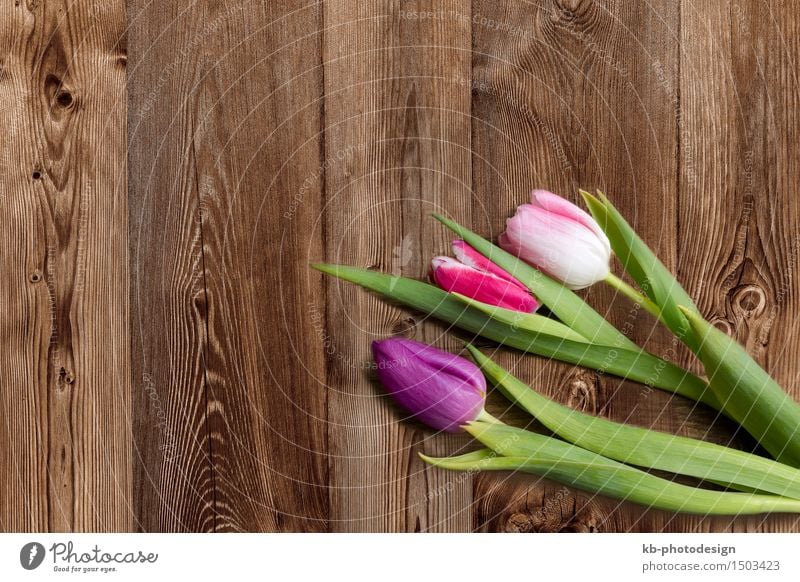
[(453, 276), (470, 257), (442, 390), (561, 247), (558, 205)]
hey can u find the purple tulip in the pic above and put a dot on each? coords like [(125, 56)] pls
[(476, 277), (442, 390), (559, 238)]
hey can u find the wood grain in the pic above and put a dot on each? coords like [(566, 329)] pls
[(169, 361), (744, 192), (571, 99), (65, 459), (397, 119), (230, 424)]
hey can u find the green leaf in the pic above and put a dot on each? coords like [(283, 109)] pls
[(644, 267), (635, 365), (747, 393), (618, 481), (525, 321), (646, 448), (563, 302)]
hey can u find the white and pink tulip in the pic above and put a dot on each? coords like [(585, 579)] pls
[(560, 239)]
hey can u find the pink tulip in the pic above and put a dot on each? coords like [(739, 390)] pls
[(560, 239), (476, 277)]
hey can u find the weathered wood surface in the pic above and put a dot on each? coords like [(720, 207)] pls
[(65, 434), (168, 362), (228, 370)]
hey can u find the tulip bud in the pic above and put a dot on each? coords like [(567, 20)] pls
[(559, 238), (442, 390), (476, 277)]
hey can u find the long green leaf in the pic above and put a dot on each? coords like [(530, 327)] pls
[(634, 365), (644, 267), (526, 321), (563, 302), (618, 481), (747, 393), (646, 448)]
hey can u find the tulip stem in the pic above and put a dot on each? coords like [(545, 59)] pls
[(632, 294), (488, 418)]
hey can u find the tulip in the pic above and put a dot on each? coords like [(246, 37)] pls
[(442, 390), (560, 239), (476, 277)]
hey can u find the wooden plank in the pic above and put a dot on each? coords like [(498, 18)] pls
[(174, 481), (169, 363), (566, 98), (397, 149), (738, 181), (65, 459), (227, 128)]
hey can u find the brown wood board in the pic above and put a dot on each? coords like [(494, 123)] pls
[(168, 171)]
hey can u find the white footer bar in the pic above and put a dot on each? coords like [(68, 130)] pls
[(406, 557)]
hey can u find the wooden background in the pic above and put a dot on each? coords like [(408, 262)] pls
[(168, 362)]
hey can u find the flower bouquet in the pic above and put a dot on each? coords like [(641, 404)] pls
[(550, 249)]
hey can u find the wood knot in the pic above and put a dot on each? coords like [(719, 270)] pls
[(582, 394), (751, 300), (60, 97), (559, 513), (586, 521), (521, 523), (35, 276), (64, 378), (405, 326), (722, 324), (64, 99), (570, 11)]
